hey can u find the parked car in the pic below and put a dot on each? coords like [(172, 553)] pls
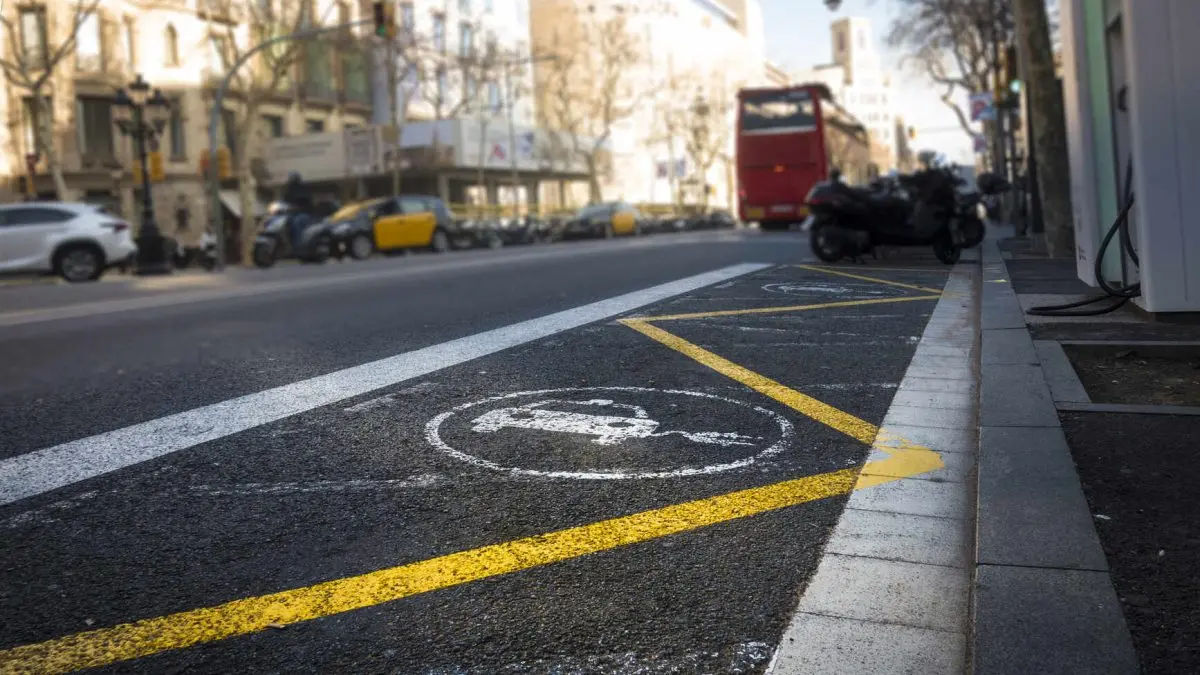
[(75, 241), (391, 224), (608, 219), (714, 220)]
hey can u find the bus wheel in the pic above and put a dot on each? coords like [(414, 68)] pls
[(825, 243)]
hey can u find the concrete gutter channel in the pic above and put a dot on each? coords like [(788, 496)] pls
[(1042, 599)]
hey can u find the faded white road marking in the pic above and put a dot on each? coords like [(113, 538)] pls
[(388, 399), (743, 657), (303, 487), (41, 471), (643, 426)]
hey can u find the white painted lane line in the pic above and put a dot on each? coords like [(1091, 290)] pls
[(44, 470)]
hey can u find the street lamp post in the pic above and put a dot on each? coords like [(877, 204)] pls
[(142, 117)]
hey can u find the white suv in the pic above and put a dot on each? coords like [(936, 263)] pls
[(76, 241)]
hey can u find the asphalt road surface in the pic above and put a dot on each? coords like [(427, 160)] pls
[(487, 462)]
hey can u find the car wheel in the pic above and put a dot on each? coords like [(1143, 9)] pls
[(825, 243), (361, 247), (81, 262), (322, 248), (440, 243)]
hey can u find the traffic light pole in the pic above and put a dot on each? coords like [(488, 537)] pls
[(214, 175)]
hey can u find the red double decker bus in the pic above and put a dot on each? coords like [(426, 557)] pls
[(789, 139)]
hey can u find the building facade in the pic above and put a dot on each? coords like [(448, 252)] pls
[(184, 48), (859, 82), (693, 56)]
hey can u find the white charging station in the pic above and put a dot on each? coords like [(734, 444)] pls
[(1131, 87)]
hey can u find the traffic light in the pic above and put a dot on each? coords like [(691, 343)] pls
[(385, 19), (1012, 76), (158, 169)]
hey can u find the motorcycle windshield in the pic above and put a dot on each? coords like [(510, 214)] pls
[(274, 223)]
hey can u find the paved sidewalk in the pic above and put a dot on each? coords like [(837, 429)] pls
[(891, 594)]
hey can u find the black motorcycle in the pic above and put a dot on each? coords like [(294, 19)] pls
[(851, 222), (288, 233)]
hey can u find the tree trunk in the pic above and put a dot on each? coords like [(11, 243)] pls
[(394, 99), (1048, 126), (479, 164), (595, 193), (248, 200), (44, 129)]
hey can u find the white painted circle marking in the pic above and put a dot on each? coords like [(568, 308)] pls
[(433, 435), (793, 288)]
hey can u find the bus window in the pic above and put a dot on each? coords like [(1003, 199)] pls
[(777, 112)]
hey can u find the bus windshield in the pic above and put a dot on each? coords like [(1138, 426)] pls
[(777, 112)]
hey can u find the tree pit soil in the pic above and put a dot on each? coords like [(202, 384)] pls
[(1123, 376), (1138, 473)]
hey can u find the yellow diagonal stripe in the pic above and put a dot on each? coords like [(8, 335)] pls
[(241, 617), (806, 405), (886, 282), (789, 308)]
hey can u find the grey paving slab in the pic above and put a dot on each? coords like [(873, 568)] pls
[(938, 384), (915, 497), (959, 441), (902, 536), (945, 371), (1050, 622), (1015, 395), (933, 399), (829, 645), (1007, 345), (1002, 315), (1060, 375), (890, 591), (943, 418), (1032, 510)]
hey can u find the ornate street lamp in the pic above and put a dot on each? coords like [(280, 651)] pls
[(833, 5), (142, 116)]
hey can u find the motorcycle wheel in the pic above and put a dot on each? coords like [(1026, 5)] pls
[(825, 244), (945, 250), (973, 232), (264, 254)]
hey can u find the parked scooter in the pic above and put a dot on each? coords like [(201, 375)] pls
[(289, 233), (204, 254), (851, 222)]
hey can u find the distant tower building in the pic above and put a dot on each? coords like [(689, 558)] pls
[(860, 84)]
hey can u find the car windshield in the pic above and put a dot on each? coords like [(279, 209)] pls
[(350, 210)]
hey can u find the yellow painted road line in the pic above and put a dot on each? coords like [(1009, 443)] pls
[(790, 308), (251, 615), (830, 270), (905, 458), (808, 406)]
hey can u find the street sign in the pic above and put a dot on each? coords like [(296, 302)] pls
[(609, 433)]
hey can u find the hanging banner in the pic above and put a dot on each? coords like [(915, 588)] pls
[(982, 107), (981, 144)]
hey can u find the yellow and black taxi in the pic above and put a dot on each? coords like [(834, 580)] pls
[(393, 224), (607, 219)]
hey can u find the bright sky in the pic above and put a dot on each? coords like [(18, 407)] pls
[(797, 35)]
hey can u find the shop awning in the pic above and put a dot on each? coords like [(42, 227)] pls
[(233, 202)]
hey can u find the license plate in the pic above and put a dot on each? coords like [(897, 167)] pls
[(781, 208)]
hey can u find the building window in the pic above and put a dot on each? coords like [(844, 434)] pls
[(466, 40), (493, 95), (487, 6), (442, 85), (464, 6), (439, 32), (172, 46), (273, 125), (408, 20), (93, 123), (177, 131), (88, 55), (841, 42), (471, 92), (129, 42), (218, 52), (314, 126), (32, 118), (33, 34)]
